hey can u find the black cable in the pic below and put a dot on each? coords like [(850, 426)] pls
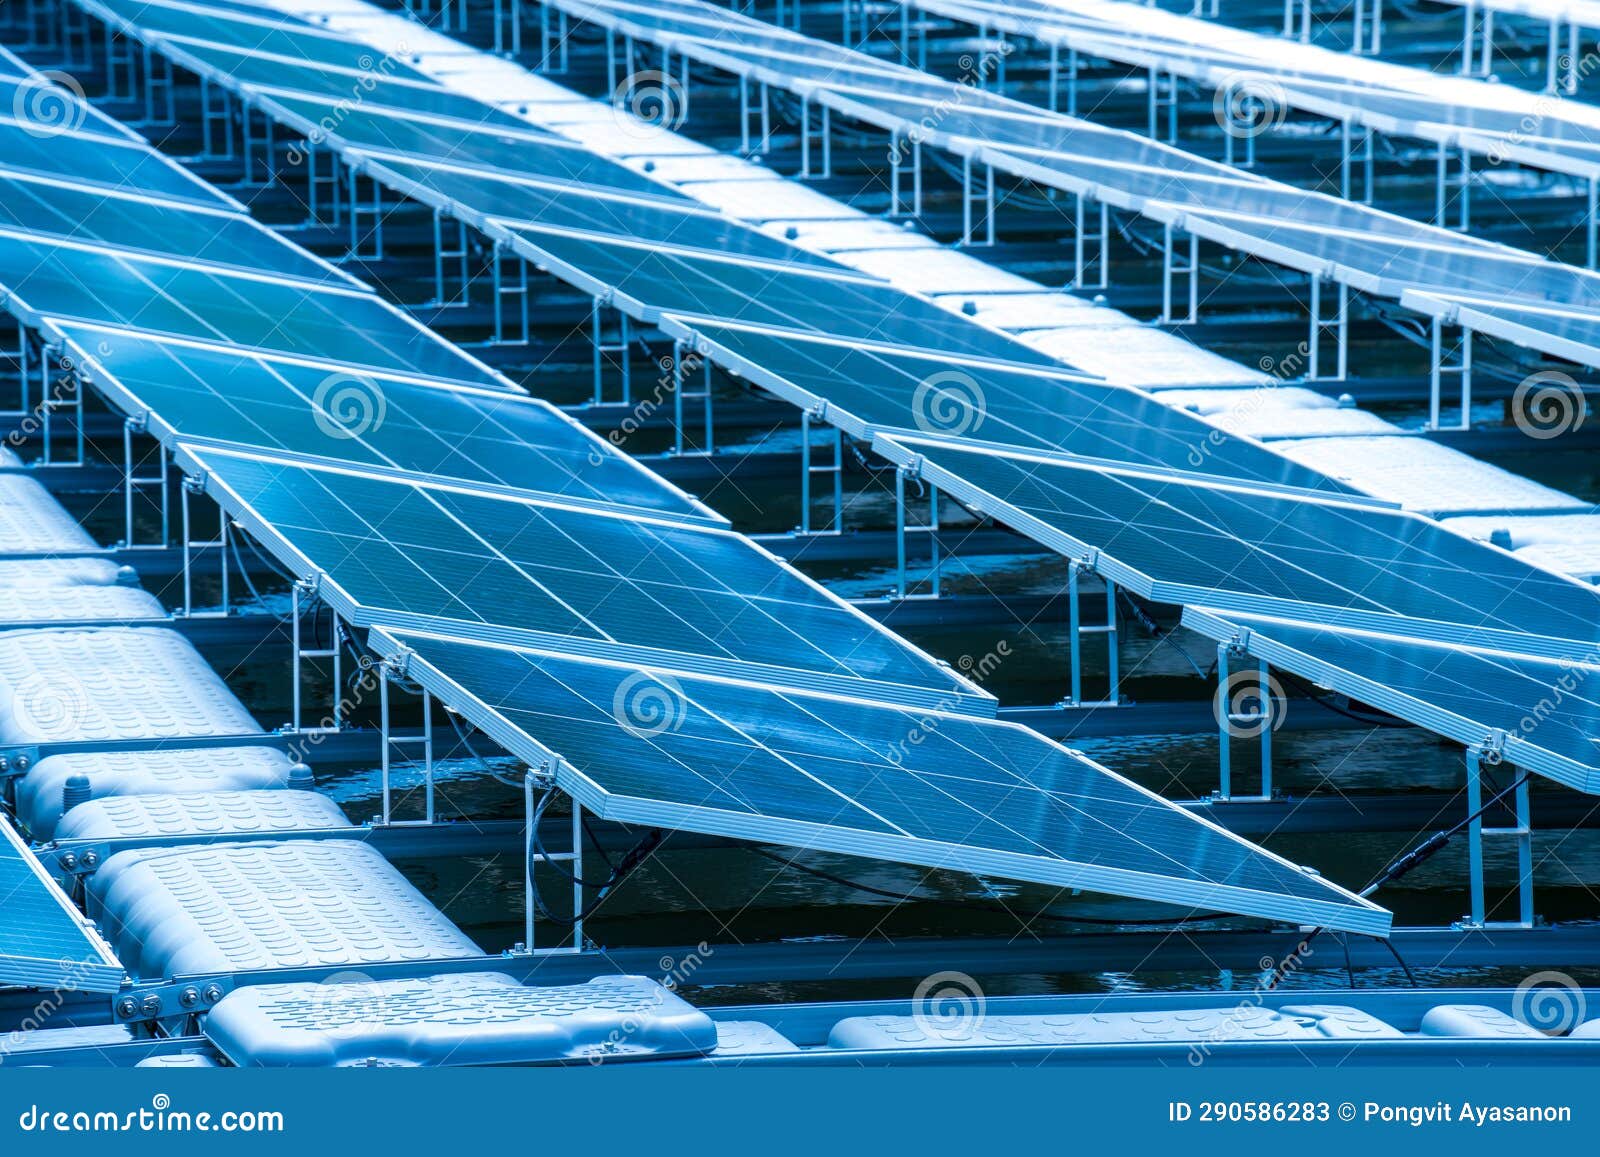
[(1396, 869), (1400, 960)]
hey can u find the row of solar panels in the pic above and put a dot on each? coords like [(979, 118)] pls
[(1509, 292), (1546, 132), (1399, 576), (668, 670)]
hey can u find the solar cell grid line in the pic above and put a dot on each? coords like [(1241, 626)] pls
[(1194, 540), (51, 278), (511, 201), (1285, 225), (131, 220), (267, 32), (730, 758), (405, 549), (44, 941), (92, 162), (1536, 711), (492, 438), (864, 387)]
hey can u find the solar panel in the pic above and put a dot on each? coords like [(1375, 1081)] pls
[(44, 942), (1313, 232), (90, 160), (38, 103), (690, 284), (939, 790), (880, 387), (1543, 713), (73, 281), (257, 29), (170, 228), (491, 437), (586, 580), (1202, 541), (376, 90), (459, 142)]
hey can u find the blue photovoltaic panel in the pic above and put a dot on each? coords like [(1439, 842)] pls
[(1042, 407), (44, 942), (333, 321), (1546, 711), (1198, 539), (944, 791), (684, 595), (172, 229), (494, 437)]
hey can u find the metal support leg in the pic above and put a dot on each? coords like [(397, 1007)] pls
[(1259, 720), (1462, 368), (1479, 759), (621, 349), (902, 528), (808, 470), (534, 784), (132, 482), (391, 742), (1081, 258), (191, 546)]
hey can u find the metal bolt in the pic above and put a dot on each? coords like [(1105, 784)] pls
[(127, 1008), (69, 860), (189, 997), (91, 858), (212, 993), (151, 1005)]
